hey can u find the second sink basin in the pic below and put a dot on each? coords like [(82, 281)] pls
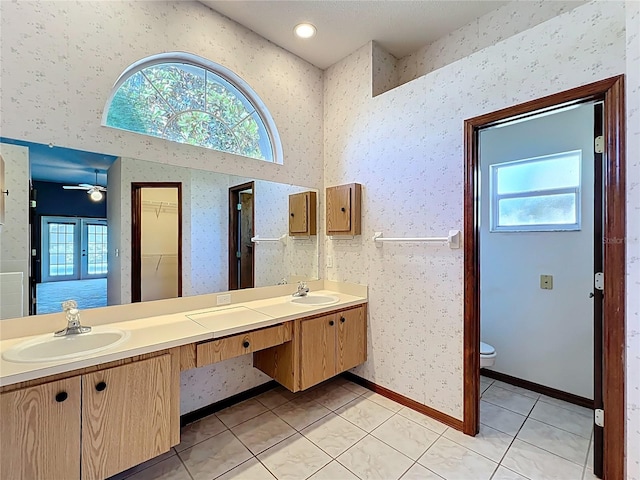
[(48, 348), (316, 300)]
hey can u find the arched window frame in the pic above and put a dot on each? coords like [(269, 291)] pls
[(234, 80)]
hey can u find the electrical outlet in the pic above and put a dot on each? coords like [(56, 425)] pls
[(546, 282), (329, 261), (223, 299)]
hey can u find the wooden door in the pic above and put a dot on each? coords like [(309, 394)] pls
[(339, 209), (317, 350), (352, 339), (126, 416), (40, 431), (298, 207)]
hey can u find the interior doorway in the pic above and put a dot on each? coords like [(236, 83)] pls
[(241, 227), (611, 341)]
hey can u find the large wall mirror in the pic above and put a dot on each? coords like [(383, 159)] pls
[(76, 239)]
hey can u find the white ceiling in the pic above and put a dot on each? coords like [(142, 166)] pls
[(400, 26)]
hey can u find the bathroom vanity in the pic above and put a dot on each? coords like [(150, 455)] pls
[(92, 417)]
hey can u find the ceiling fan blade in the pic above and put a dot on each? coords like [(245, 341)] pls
[(70, 187), (87, 185)]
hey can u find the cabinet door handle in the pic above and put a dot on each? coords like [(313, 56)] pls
[(342, 319), (292, 214), (342, 209), (101, 386), (61, 397), (331, 323), (245, 344)]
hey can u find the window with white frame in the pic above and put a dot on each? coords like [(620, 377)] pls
[(536, 194)]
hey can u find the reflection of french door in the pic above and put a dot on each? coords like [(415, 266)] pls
[(73, 248)]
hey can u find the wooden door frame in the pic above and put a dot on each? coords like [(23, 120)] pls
[(611, 92), (234, 199), (136, 234)]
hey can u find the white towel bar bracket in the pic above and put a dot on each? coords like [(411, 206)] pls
[(453, 239)]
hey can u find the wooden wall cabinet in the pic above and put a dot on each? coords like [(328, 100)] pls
[(302, 214), (344, 215), (322, 347), (90, 426)]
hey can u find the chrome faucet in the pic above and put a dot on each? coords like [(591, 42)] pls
[(302, 290), (72, 313)]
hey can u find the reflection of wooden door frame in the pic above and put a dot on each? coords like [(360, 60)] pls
[(611, 92), (234, 199), (136, 234)]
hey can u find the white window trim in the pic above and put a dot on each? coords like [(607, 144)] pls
[(538, 227)]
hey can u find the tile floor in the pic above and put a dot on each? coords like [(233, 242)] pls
[(341, 431)]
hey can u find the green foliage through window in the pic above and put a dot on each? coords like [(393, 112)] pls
[(190, 104)]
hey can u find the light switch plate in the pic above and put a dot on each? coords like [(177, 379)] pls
[(329, 261), (223, 299), (546, 282)]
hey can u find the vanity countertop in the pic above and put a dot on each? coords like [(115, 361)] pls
[(167, 331)]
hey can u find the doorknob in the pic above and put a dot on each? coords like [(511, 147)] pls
[(591, 295)]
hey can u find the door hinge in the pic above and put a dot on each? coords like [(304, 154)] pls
[(599, 281), (599, 417), (239, 206), (238, 255), (598, 144)]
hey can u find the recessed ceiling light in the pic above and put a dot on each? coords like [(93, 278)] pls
[(305, 30)]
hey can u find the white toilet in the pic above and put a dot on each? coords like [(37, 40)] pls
[(487, 355)]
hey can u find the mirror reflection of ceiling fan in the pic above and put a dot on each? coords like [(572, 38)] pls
[(94, 191)]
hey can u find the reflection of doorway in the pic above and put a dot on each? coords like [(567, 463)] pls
[(610, 92), (156, 246), (241, 258), (73, 262)]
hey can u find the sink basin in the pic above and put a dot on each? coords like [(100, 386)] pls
[(48, 348), (315, 300)]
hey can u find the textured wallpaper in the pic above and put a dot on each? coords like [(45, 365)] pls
[(405, 147)]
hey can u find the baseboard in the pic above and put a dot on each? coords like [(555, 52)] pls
[(536, 387), (196, 415), (406, 401)]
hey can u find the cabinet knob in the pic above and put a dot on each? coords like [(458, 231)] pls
[(61, 397), (331, 323), (292, 214), (343, 209), (245, 344), (342, 319), (101, 386)]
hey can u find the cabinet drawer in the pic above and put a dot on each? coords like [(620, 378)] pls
[(241, 344)]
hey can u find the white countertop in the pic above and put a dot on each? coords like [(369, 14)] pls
[(167, 331)]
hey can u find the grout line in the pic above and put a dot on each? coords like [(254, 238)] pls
[(184, 465)]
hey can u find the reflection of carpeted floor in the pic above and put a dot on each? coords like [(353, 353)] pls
[(88, 293)]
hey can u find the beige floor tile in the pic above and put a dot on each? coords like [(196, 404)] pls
[(355, 388), (587, 412), (588, 474), (252, 469), (333, 434), (214, 456), (510, 400), (557, 441), (489, 442), (262, 432), (370, 458), (364, 413), (169, 469), (500, 418), (333, 471), (128, 473), (562, 418), (383, 401), (294, 458), (301, 412), (199, 431), (503, 473), (418, 472), (241, 412), (405, 436), (538, 464), (424, 420), (332, 396), (453, 462), (272, 399)]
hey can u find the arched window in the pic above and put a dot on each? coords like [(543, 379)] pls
[(187, 99)]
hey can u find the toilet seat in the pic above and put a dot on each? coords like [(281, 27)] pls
[(487, 355), (486, 349)]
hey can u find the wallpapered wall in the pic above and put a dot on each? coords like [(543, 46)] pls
[(405, 147)]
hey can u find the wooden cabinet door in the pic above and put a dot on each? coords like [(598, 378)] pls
[(352, 338), (40, 432), (317, 350), (339, 209), (126, 416), (298, 208)]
